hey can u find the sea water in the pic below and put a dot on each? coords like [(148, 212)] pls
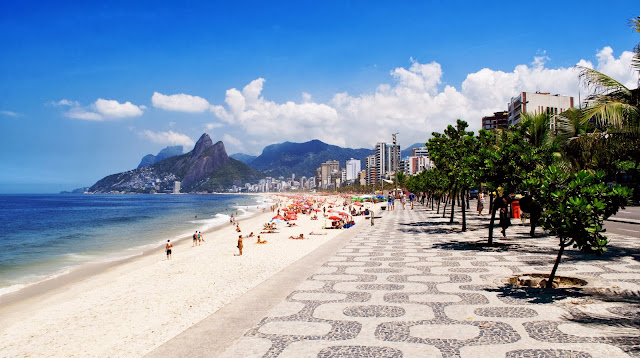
[(43, 236)]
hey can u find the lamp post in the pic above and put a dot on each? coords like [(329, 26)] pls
[(395, 159)]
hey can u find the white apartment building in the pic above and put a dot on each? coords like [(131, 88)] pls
[(353, 169), (537, 102)]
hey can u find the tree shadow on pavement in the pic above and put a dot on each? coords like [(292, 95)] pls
[(425, 230), (474, 246), (536, 295)]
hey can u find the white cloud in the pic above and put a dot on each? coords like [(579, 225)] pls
[(214, 125), (115, 109), (64, 103), (10, 113), (81, 113), (101, 109), (229, 139), (179, 102), (168, 138), (415, 105)]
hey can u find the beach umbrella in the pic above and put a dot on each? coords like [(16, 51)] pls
[(277, 217), (277, 221), (343, 214), (316, 210), (335, 218), (357, 204)]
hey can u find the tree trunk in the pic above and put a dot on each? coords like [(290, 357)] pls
[(438, 211), (492, 209), (464, 215), (453, 206), (444, 208), (555, 265), (467, 196)]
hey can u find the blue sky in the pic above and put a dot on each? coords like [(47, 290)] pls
[(78, 78)]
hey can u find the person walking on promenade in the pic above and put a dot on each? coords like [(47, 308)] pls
[(505, 220), (168, 248), (480, 203)]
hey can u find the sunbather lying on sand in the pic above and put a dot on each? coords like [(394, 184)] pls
[(269, 232), (261, 241), (301, 237), (317, 233)]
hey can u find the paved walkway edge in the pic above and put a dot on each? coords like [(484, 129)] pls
[(214, 334)]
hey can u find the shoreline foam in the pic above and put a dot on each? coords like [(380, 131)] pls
[(32, 283)]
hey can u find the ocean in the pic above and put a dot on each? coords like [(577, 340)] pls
[(43, 236)]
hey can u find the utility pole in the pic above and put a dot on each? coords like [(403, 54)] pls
[(395, 159)]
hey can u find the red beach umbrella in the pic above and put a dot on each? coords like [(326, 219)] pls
[(334, 218), (277, 217), (343, 214)]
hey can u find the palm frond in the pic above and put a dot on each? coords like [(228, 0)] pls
[(569, 125), (614, 113), (599, 82), (635, 61)]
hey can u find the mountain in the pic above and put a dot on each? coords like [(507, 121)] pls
[(245, 158), (407, 152), (206, 168), (302, 159), (162, 155)]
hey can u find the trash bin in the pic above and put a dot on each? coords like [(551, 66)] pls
[(515, 209)]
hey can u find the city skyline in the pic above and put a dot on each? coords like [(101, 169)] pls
[(88, 89)]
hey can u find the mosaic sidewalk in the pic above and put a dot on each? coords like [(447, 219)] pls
[(414, 286)]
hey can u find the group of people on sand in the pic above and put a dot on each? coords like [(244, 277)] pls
[(198, 239)]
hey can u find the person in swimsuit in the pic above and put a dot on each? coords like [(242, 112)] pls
[(240, 244), (195, 239), (168, 248)]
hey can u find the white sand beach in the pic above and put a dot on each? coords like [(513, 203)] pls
[(131, 308)]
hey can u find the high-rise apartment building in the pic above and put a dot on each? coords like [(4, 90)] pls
[(353, 169), (387, 159), (537, 102), (328, 169), (498, 120)]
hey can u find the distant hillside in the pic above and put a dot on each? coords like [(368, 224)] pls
[(206, 168), (407, 152), (167, 152), (302, 159), (245, 158)]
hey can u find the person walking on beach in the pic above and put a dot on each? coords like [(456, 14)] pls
[(240, 245), (195, 239), (200, 238), (168, 248)]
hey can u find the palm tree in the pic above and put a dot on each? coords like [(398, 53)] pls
[(612, 104), (538, 128), (401, 178)]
